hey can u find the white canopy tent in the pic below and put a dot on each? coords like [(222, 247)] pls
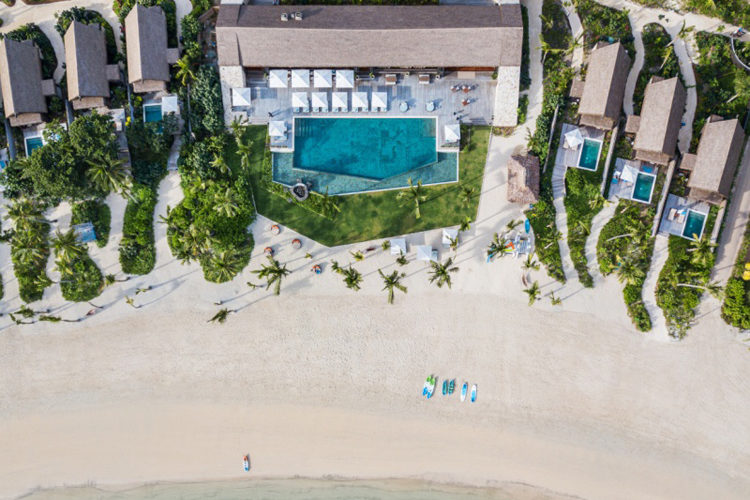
[(171, 104), (573, 139), (241, 97), (452, 132), (448, 236), (322, 79), (344, 79), (278, 78), (359, 101), (398, 246), (629, 174), (339, 100), (320, 100), (299, 100), (277, 129), (300, 78), (380, 101), (425, 252)]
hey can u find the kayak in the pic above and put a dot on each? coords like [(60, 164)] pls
[(246, 462), (452, 386), (473, 393), (431, 387), (464, 388), (426, 387), (527, 226), (445, 387)]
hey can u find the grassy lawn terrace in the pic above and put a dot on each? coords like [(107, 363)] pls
[(374, 215)]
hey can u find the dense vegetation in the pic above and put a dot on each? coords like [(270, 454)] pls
[(80, 278), (659, 60), (32, 32), (736, 307), (732, 11), (723, 88), (604, 23), (96, 212), (29, 248), (86, 16), (123, 7), (207, 111)]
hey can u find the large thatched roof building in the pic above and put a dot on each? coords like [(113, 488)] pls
[(523, 179), (604, 88), (659, 124), (21, 82), (86, 66), (148, 55)]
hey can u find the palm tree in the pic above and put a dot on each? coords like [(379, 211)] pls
[(465, 224), (453, 243), (238, 127), (554, 300), (109, 174), (66, 246), (274, 272), (440, 274), (413, 195), (533, 292), (385, 245), (597, 202), (511, 225), (496, 246), (221, 316), (358, 256), (702, 250), (129, 301), (111, 279), (713, 288), (466, 195), (531, 263), (184, 72), (335, 267), (24, 211), (547, 48), (583, 228), (352, 278), (244, 151), (629, 272), (225, 203), (193, 242), (392, 282), (401, 260), (224, 265), (220, 164)]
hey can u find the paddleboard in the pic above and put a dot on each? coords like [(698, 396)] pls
[(464, 388), (473, 393)]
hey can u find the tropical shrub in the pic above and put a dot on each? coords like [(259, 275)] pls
[(732, 11), (96, 212), (207, 110), (137, 252), (604, 23), (736, 307), (29, 248), (80, 278)]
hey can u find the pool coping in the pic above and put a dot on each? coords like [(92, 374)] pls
[(598, 154), (653, 186), (703, 226)]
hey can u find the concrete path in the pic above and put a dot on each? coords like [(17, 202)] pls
[(561, 219), (576, 29), (597, 224), (10, 283), (736, 220), (658, 259)]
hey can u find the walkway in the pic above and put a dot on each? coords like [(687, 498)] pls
[(735, 221), (658, 259), (561, 218), (577, 29)]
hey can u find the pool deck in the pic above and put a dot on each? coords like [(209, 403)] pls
[(276, 104), (674, 227), (623, 190), (569, 157)]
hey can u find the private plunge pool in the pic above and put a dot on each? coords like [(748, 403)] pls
[(588, 158), (151, 113), (643, 187), (353, 155), (694, 224)]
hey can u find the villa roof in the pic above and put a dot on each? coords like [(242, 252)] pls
[(716, 161), (146, 36), (338, 36), (21, 78), (523, 179), (661, 114), (604, 87), (86, 61)]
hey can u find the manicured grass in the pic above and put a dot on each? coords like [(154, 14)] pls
[(376, 215), (659, 60), (97, 212)]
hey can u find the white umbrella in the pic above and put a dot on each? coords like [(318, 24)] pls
[(379, 100), (277, 129), (359, 100), (629, 174), (398, 246), (344, 79), (339, 100), (424, 252), (278, 78), (300, 78), (449, 235), (322, 79), (573, 138), (452, 132), (241, 97), (299, 100), (320, 100)]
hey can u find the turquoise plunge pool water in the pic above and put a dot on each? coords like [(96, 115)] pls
[(644, 185), (152, 113), (33, 143), (694, 224), (589, 154), (349, 155)]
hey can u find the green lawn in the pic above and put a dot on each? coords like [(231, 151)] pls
[(377, 215)]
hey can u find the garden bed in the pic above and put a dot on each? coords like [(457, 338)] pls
[(98, 213), (659, 60), (137, 251)]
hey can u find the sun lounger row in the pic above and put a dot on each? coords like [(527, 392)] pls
[(301, 102)]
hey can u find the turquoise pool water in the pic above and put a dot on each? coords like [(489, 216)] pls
[(33, 143), (152, 113), (349, 155), (590, 154), (644, 185), (694, 224)]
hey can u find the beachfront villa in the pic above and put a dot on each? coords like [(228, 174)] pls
[(24, 91), (362, 98), (149, 57), (604, 87), (658, 127), (88, 74)]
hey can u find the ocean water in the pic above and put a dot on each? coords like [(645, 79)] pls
[(267, 489)]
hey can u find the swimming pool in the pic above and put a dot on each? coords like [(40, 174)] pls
[(152, 113), (349, 155), (33, 143), (643, 187), (588, 158), (694, 224)]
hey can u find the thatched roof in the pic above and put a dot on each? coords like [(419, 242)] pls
[(86, 61), (21, 78), (661, 114), (146, 36), (523, 179), (604, 88), (718, 154), (336, 36)]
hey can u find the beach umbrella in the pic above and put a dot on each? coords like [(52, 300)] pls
[(629, 174), (573, 139), (300, 78), (452, 132), (277, 129), (449, 235), (359, 100), (344, 79), (398, 246), (299, 100), (379, 100), (424, 252), (320, 100), (241, 97), (278, 78), (322, 79), (339, 100)]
